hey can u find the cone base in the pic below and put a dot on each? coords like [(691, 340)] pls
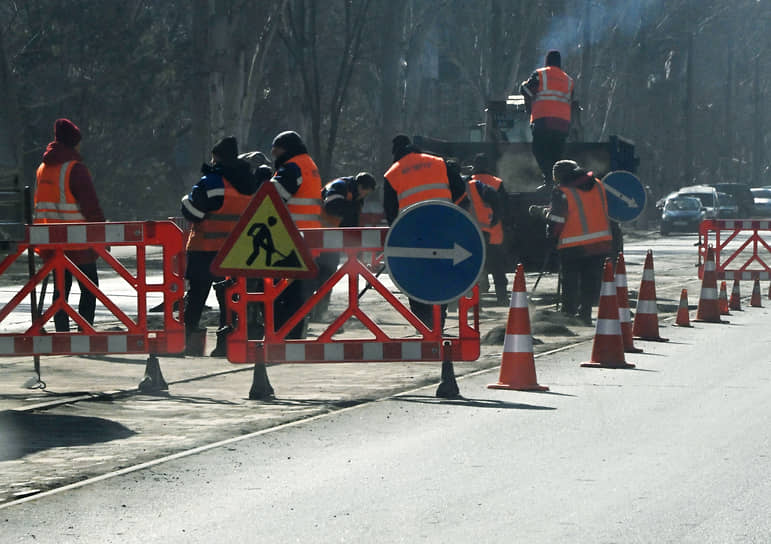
[(755, 306), (711, 321), (633, 350), (652, 338), (533, 387), (595, 364), (682, 325)]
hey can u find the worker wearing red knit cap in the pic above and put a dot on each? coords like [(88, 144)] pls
[(64, 193)]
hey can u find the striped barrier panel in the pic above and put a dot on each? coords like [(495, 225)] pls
[(741, 248)]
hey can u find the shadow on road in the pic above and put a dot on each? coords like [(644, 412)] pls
[(24, 433), (470, 403)]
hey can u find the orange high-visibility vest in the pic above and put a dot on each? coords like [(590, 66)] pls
[(305, 204), (587, 217), (495, 231), (54, 202), (417, 177), (555, 89), (209, 234)]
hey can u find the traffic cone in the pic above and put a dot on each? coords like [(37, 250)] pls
[(517, 362), (722, 299), (683, 319), (708, 310), (646, 317), (608, 346), (624, 315), (755, 300), (735, 302)]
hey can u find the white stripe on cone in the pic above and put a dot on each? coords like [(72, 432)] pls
[(608, 327), (518, 343), (646, 307)]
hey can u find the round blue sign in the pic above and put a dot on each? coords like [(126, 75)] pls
[(434, 252), (626, 195)]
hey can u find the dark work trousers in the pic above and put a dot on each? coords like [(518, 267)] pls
[(288, 302), (327, 264), (87, 304), (198, 273), (425, 312), (581, 282), (496, 265), (548, 148)]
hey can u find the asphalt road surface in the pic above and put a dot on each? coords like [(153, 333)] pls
[(675, 451)]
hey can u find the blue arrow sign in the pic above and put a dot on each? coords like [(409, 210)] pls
[(626, 195), (434, 252)]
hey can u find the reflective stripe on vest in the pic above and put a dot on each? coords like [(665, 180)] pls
[(417, 177), (555, 89), (209, 234), (587, 217), (305, 205), (54, 201)]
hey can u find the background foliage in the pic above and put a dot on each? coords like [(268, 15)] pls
[(154, 84)]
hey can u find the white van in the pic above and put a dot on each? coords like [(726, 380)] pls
[(708, 197)]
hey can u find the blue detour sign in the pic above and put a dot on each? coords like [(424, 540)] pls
[(434, 252), (626, 195)]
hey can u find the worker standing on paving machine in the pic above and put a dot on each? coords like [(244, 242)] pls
[(548, 95), (578, 220), (64, 193), (213, 206), (488, 199), (298, 182), (415, 177)]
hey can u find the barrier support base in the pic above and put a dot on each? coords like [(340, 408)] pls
[(261, 388), (448, 387), (153, 380)]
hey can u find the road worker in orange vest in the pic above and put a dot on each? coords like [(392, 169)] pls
[(578, 220), (488, 200), (64, 193), (213, 207), (416, 177), (298, 182), (549, 96)]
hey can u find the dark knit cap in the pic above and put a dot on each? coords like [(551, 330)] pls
[(399, 142), (565, 171), (226, 150), (553, 58), (66, 132), (365, 180), (481, 164)]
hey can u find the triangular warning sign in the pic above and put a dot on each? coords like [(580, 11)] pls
[(265, 242)]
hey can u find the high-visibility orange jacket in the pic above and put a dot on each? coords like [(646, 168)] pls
[(586, 222), (417, 177), (305, 205), (54, 202), (482, 210), (555, 89), (209, 234)]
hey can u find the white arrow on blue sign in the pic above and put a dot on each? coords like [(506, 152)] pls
[(626, 195), (434, 252)]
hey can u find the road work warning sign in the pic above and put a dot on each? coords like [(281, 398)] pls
[(265, 242)]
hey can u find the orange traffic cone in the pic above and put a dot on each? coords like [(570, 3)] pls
[(608, 346), (708, 310), (683, 319), (624, 316), (755, 300), (518, 364), (722, 299), (735, 302), (646, 317)]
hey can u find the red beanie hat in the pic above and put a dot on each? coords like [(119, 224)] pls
[(66, 132)]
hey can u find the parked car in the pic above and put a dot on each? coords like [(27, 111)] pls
[(681, 213), (727, 208), (707, 195), (762, 198), (742, 196)]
